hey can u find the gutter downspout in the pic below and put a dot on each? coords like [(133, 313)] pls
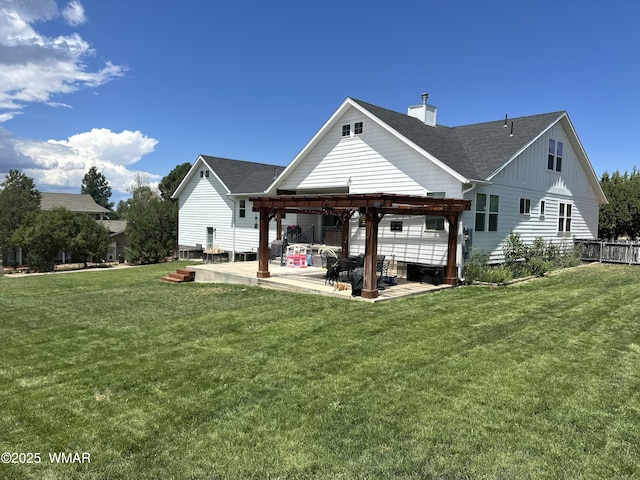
[(233, 230), (462, 230)]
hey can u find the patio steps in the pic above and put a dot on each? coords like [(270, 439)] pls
[(180, 276)]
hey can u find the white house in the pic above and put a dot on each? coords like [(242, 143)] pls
[(214, 210), (529, 175)]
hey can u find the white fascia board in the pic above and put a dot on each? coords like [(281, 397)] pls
[(535, 139), (186, 178), (581, 153), (214, 174), (418, 149), (309, 146), (586, 163)]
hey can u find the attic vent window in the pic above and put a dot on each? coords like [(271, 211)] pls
[(554, 160), (358, 129)]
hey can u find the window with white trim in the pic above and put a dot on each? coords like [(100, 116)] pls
[(435, 222), (525, 206), (542, 206), (487, 209), (242, 211), (358, 129), (564, 217), (554, 160)]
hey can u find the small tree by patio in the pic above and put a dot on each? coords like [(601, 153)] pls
[(151, 227)]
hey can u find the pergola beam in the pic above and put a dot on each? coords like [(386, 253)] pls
[(373, 206)]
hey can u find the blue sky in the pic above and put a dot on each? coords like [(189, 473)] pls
[(141, 86)]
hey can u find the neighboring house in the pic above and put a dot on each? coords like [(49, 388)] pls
[(214, 210), (83, 203), (529, 175), (74, 202), (118, 239)]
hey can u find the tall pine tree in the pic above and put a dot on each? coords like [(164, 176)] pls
[(95, 184), (18, 199)]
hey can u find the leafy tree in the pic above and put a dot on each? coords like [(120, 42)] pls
[(46, 233), (122, 208), (92, 240), (18, 199), (621, 216), (169, 184), (151, 227), (95, 184)]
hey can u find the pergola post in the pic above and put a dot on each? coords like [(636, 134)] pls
[(263, 244), (451, 277), (370, 280), (344, 232), (278, 226), (374, 206)]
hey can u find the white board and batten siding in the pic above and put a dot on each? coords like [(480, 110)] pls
[(205, 203), (527, 177), (372, 162), (377, 162)]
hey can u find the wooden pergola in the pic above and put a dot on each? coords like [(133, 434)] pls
[(373, 206)]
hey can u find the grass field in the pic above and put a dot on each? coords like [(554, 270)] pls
[(539, 380)]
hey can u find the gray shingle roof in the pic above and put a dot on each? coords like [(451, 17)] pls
[(474, 151), (115, 226), (240, 176), (76, 202)]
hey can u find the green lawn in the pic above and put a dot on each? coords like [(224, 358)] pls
[(538, 380)]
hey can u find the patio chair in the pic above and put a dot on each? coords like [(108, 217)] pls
[(382, 266)]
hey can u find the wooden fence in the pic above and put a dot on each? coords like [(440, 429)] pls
[(610, 252)]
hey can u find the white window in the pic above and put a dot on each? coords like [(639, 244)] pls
[(525, 206), (564, 217), (554, 160), (436, 194), (358, 129), (487, 215), (243, 209), (434, 223), (542, 206)]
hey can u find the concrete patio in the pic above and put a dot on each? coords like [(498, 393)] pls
[(301, 279)]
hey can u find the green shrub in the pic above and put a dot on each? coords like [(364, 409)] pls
[(497, 274), (522, 260), (476, 267)]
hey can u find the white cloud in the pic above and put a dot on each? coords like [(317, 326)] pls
[(73, 13), (61, 164), (33, 67)]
